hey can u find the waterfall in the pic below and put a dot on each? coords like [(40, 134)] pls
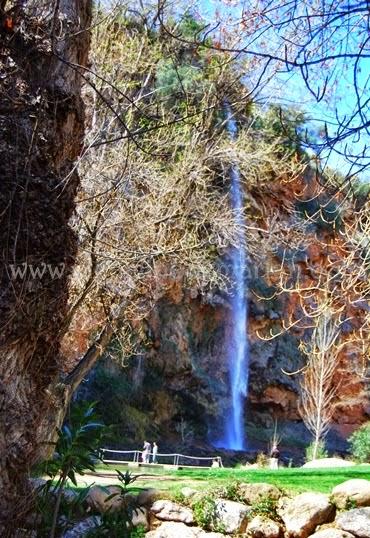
[(138, 373), (237, 348)]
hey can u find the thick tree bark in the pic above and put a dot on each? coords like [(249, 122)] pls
[(41, 130)]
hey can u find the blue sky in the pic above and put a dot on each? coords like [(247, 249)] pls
[(289, 88)]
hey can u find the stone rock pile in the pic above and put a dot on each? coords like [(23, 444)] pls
[(345, 513)]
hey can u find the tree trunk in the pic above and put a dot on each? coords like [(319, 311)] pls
[(315, 447), (61, 392), (41, 131)]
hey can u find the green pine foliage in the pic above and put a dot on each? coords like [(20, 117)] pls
[(360, 443), (287, 125)]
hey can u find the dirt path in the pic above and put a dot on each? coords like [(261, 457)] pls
[(161, 482)]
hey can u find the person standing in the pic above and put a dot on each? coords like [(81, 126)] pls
[(274, 457), (154, 452), (146, 452)]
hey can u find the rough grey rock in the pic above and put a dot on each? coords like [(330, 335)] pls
[(328, 462), (188, 492), (97, 499), (233, 516), (261, 527), (356, 521), (82, 528), (356, 490), (69, 495), (170, 511), (303, 513), (331, 533), (140, 517), (180, 530), (37, 483), (252, 493), (148, 496)]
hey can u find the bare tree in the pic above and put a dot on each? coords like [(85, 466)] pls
[(323, 44), (317, 389), (337, 281), (154, 211)]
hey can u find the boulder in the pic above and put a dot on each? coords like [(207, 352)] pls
[(147, 497), (261, 527), (200, 533), (356, 521), (328, 462), (140, 517), (252, 493), (331, 533), (69, 495), (188, 492), (37, 483), (82, 527), (170, 511), (356, 490), (233, 516), (303, 513), (180, 530), (130, 499), (97, 499)]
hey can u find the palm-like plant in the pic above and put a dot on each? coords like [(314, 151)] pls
[(119, 523), (76, 451)]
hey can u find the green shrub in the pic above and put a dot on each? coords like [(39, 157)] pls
[(205, 513), (361, 189), (321, 451), (138, 532), (70, 510), (266, 507), (204, 509), (190, 28), (119, 404), (230, 492), (262, 460), (180, 498), (175, 80), (115, 526), (285, 125), (350, 504), (360, 443), (118, 523)]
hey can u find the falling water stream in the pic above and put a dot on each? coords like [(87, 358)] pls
[(237, 347)]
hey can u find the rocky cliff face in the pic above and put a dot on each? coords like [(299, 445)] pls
[(177, 388), (185, 378)]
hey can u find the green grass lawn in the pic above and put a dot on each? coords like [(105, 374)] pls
[(291, 480)]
